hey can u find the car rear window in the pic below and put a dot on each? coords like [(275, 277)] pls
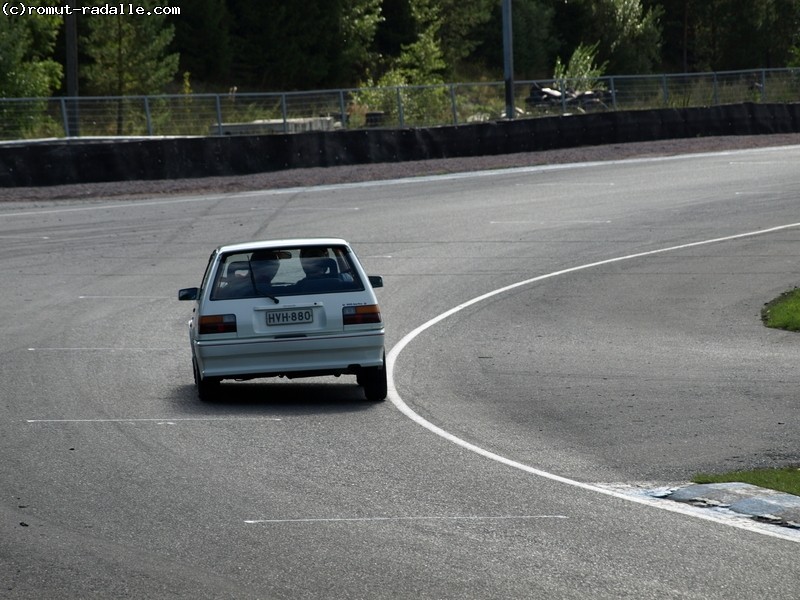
[(285, 272)]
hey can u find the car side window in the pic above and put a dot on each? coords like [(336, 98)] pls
[(234, 278), (207, 273)]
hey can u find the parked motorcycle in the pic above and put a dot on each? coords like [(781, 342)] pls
[(547, 99)]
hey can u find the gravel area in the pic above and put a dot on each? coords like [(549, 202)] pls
[(373, 172)]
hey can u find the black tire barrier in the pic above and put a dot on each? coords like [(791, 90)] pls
[(70, 161)]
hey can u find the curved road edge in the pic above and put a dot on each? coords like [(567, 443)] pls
[(655, 498)]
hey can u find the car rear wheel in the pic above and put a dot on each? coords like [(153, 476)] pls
[(373, 380), (207, 387)]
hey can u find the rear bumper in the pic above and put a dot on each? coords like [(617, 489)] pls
[(295, 357)]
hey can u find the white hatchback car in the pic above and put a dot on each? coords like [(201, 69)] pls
[(286, 308)]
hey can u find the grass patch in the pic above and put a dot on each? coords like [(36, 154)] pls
[(786, 479), (783, 312)]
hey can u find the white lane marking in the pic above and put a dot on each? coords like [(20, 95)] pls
[(99, 349), (315, 208), (121, 204), (372, 519), (575, 222), (125, 297), (152, 420), (24, 237), (398, 402), (388, 182)]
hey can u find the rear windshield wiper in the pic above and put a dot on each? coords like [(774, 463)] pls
[(255, 285)]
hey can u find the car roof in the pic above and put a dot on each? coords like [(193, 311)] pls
[(285, 243)]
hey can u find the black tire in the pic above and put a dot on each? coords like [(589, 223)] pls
[(207, 387), (373, 381)]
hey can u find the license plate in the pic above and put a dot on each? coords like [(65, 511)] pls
[(290, 317)]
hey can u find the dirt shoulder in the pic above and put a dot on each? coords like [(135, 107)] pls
[(373, 172)]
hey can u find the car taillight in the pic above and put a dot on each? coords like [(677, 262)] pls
[(217, 324), (359, 315)]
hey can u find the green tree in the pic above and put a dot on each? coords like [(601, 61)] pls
[(203, 40), (27, 69), (281, 45), (738, 34), (628, 34), (461, 22), (359, 21), (794, 57), (536, 44), (780, 32), (581, 73), (397, 29), (420, 63), (129, 53), (729, 34), (677, 50)]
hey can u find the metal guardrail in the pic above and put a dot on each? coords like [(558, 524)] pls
[(409, 106)]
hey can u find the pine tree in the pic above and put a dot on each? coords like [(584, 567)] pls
[(129, 54), (203, 37)]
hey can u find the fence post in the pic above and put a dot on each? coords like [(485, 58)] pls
[(665, 90), (715, 97), (400, 116), (70, 114), (65, 116), (763, 85), (453, 103), (285, 114), (613, 95), (147, 116), (562, 87), (219, 114), (343, 110)]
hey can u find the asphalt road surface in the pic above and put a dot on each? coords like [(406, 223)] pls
[(556, 335)]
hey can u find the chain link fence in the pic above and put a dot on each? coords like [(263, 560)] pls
[(394, 107)]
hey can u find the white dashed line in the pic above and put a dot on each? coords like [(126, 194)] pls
[(101, 349), (376, 519), (167, 421), (125, 297), (583, 222)]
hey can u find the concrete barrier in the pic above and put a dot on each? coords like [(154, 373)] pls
[(271, 126), (85, 161)]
